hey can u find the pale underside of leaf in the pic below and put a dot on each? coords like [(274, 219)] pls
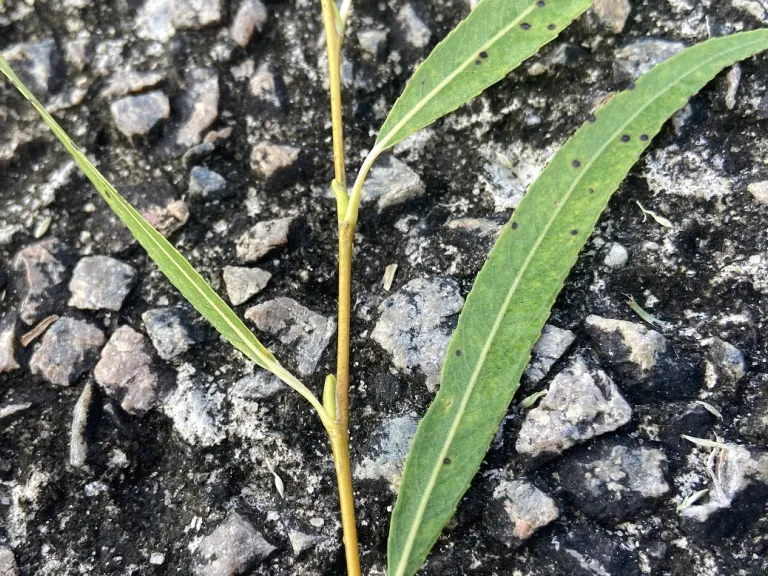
[(494, 39), (513, 294), (175, 267)]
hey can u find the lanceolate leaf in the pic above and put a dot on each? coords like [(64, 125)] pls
[(494, 39), (513, 293), (175, 267)]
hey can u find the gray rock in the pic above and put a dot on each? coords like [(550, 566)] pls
[(44, 271), (391, 182), (647, 365), (728, 361), (101, 283), (637, 58), (549, 348), (734, 80), (132, 82), (69, 348), (261, 238), (612, 13), (8, 565), (267, 158), (385, 456), (198, 153), (7, 344), (38, 65), (195, 14), (160, 19), (587, 551), (77, 50), (517, 510), (235, 547), (173, 331), (78, 444), (734, 469), (264, 86), (199, 105), (305, 331), (243, 283), (562, 54), (251, 16), (759, 191), (11, 409), (616, 482), (258, 386), (138, 115), (617, 256), (196, 413), (508, 175), (67, 99), (372, 41), (580, 405), (477, 226), (204, 183), (128, 371), (301, 542), (414, 325), (752, 7), (417, 34), (154, 20)]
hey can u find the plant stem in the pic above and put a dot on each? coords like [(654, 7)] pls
[(333, 38), (340, 439), (338, 431)]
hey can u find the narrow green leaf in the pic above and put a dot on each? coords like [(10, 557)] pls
[(493, 40), (175, 267), (514, 292)]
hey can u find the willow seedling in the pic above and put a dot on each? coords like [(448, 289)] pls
[(513, 294)]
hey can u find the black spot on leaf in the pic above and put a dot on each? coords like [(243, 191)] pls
[(514, 225), (576, 164), (525, 26), (447, 461), (625, 138), (458, 352), (644, 137), (574, 232), (483, 54), (551, 26)]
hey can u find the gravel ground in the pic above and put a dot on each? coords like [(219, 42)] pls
[(133, 440)]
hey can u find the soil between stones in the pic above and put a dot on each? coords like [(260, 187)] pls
[(145, 490)]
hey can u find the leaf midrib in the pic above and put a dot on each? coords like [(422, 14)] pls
[(448, 79), (500, 316)]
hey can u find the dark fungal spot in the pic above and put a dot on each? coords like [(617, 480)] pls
[(447, 461), (576, 164), (591, 190), (551, 26), (625, 138), (478, 62), (541, 3), (458, 352), (631, 86), (591, 118), (644, 137), (574, 232), (514, 225), (525, 26), (483, 54)]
